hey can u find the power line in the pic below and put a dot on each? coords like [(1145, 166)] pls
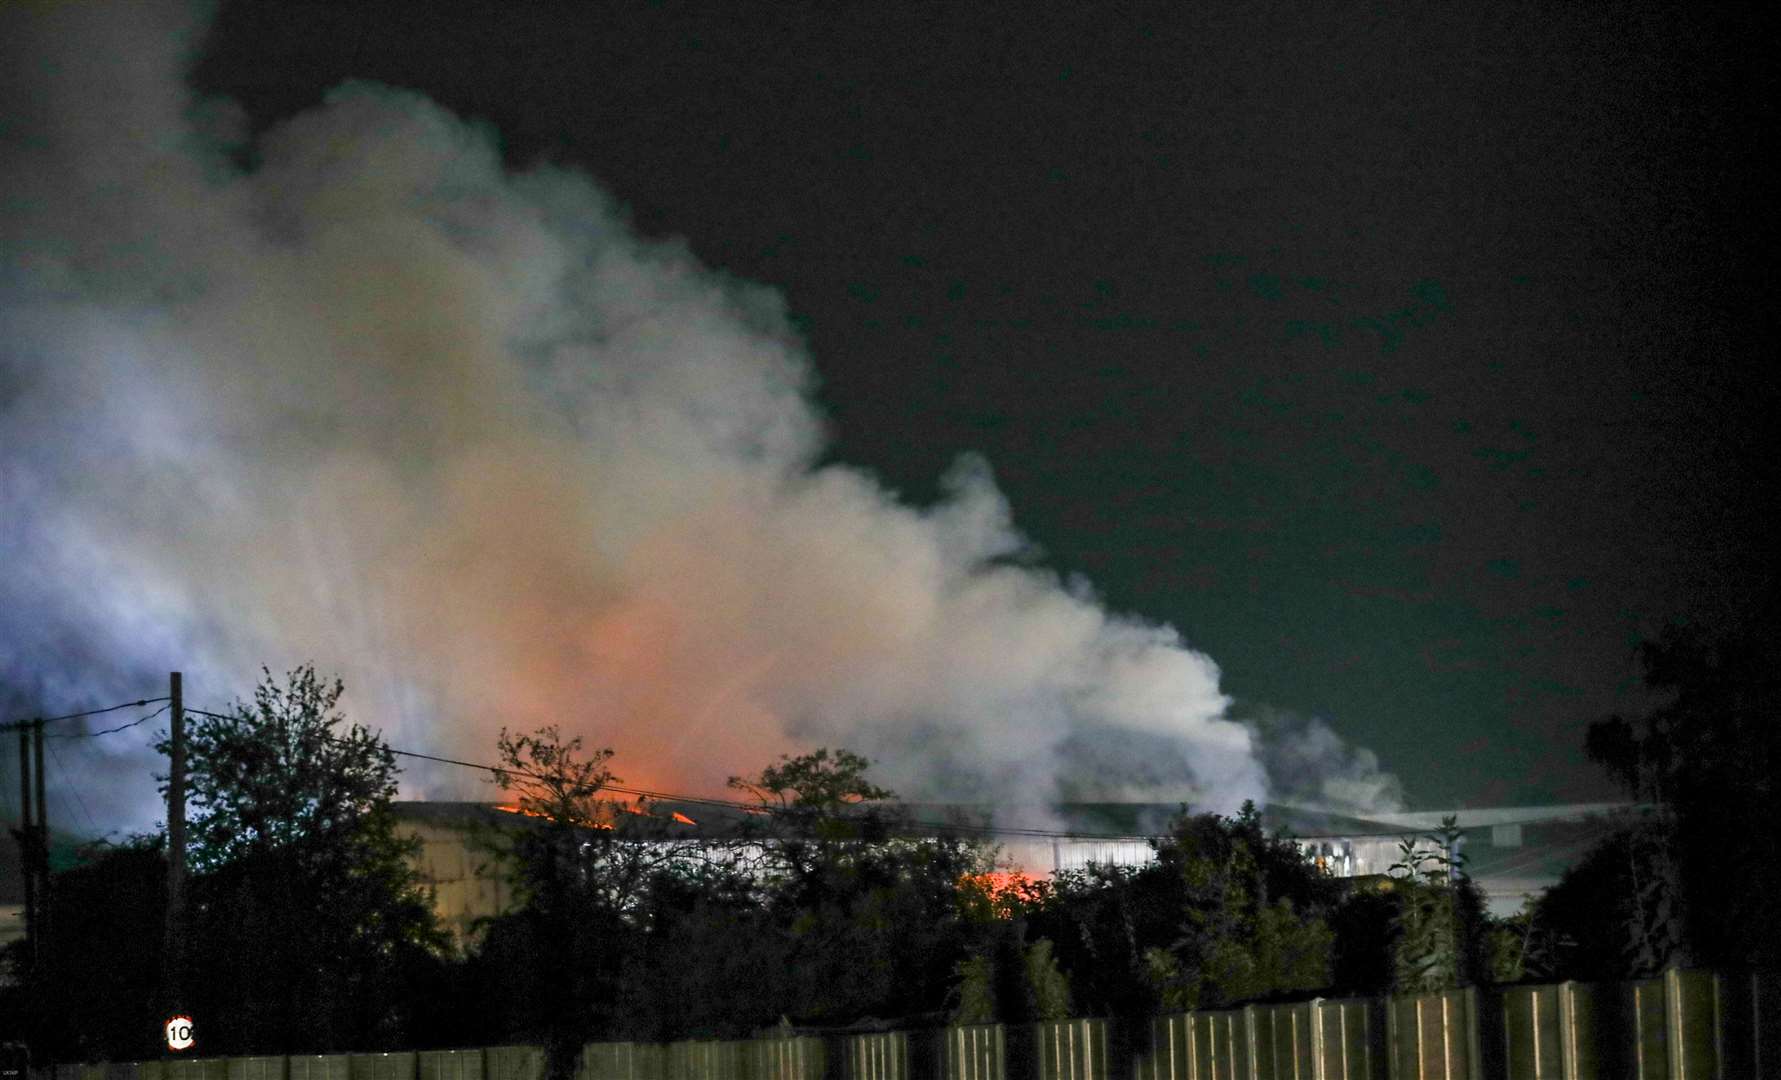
[(14, 725), (107, 731), (56, 755)]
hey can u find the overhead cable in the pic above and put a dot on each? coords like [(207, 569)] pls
[(109, 730), (14, 725)]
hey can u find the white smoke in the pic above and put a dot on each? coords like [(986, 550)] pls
[(1309, 765), (460, 436)]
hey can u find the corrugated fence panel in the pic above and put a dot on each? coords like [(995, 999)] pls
[(796, 1058), (704, 1060), (510, 1063), (1534, 1039), (448, 1065), (1167, 1057), (1650, 1041), (257, 1068), (314, 1067), (1676, 1026), (1694, 1010), (398, 1065), (1434, 1036), (1220, 1046), (1259, 1020), (1283, 1045), (691, 1061), (1072, 1050), (196, 1069), (1259, 1042), (1750, 1012), (976, 1052), (881, 1056), (1347, 1040), (619, 1061), (1555, 1033)]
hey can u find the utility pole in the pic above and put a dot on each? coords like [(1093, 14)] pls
[(176, 838), (27, 838), (42, 846)]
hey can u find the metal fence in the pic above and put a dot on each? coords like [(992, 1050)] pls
[(1685, 1025), (879, 1056), (1072, 1050), (977, 1052), (1435, 1036), (1324, 1039)]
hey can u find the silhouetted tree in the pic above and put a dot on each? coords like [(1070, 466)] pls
[(561, 957), (1364, 925), (1704, 872), (94, 993), (871, 914), (1225, 914), (307, 918), (1578, 927), (1252, 924)]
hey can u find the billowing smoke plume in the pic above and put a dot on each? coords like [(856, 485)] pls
[(460, 436), (1309, 765)]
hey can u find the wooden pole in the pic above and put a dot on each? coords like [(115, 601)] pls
[(176, 838), (41, 852), (27, 835)]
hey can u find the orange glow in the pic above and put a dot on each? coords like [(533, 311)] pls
[(683, 819), (515, 808), (1006, 891)]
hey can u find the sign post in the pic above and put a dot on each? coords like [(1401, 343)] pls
[(179, 1033)]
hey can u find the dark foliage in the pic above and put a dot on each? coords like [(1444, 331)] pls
[(1226, 913), (1578, 928), (308, 930), (101, 958), (1709, 758), (1364, 925), (1442, 936), (560, 959)]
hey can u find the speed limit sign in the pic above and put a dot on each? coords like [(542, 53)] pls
[(179, 1033)]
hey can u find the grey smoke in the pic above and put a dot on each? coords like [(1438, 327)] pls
[(462, 437), (1309, 765)]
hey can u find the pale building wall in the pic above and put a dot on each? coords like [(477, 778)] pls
[(468, 882)]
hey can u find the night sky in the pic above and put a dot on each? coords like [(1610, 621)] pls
[(1413, 363)]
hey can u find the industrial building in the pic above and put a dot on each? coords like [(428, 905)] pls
[(1511, 852)]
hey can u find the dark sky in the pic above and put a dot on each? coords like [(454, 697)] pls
[(1412, 363)]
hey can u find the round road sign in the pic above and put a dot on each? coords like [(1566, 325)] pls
[(179, 1033)]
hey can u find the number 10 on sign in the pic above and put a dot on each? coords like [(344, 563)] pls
[(179, 1033)]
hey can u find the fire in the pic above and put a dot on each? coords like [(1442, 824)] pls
[(515, 808), (638, 809), (1006, 891)]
